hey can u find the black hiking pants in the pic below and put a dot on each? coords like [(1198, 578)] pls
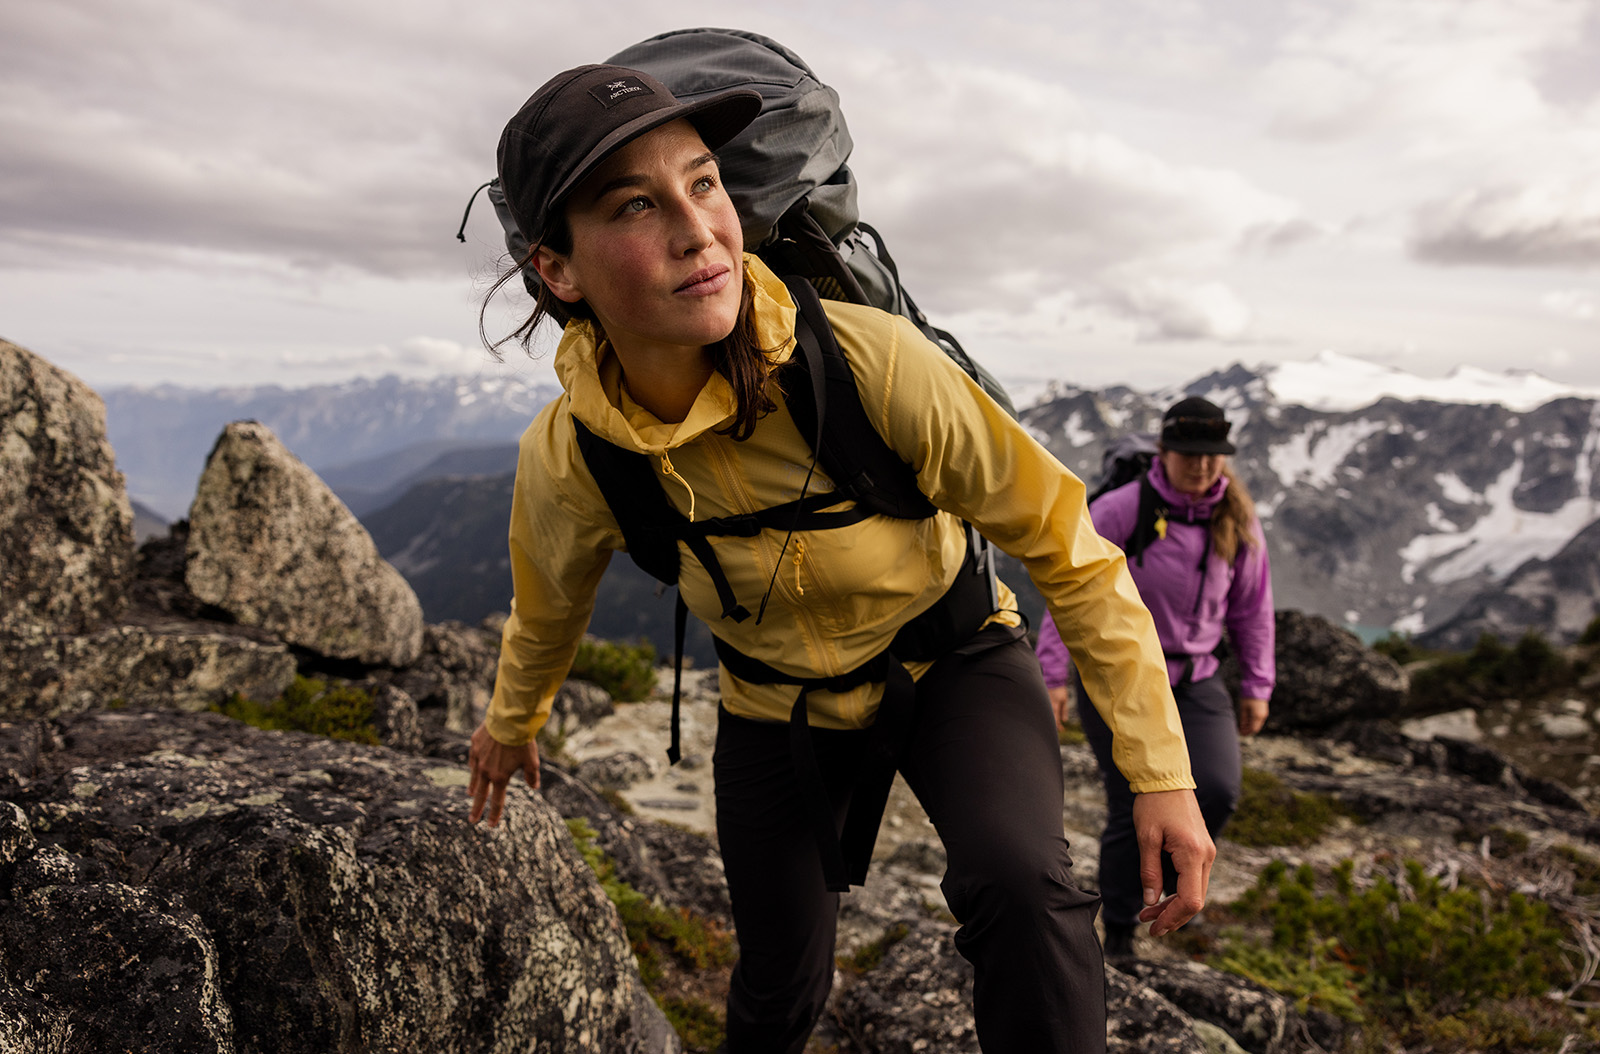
[(984, 761), (1212, 730)]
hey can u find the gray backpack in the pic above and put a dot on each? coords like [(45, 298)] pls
[(786, 174)]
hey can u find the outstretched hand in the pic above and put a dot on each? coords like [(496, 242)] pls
[(1171, 821), (490, 766)]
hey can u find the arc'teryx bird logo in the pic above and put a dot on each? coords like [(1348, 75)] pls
[(612, 92)]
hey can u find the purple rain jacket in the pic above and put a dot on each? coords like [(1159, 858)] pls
[(1237, 598)]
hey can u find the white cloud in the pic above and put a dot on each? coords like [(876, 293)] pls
[(1547, 224), (1180, 310), (1581, 304)]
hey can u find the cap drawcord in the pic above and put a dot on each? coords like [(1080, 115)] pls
[(461, 234)]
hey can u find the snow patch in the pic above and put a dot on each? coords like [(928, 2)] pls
[(1455, 491), (1504, 537), (1075, 434), (1314, 456)]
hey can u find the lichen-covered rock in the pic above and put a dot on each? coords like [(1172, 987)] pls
[(579, 704), (187, 669), (1256, 1018), (272, 546), (919, 998), (452, 679), (1326, 675), (66, 525), (394, 714), (76, 944), (286, 893)]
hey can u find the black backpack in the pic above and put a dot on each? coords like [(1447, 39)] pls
[(1128, 459)]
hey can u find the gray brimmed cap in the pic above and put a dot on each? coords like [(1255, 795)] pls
[(583, 116)]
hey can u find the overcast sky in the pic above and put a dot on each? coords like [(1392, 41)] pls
[(1126, 191)]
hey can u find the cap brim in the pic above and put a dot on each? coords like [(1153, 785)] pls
[(1200, 446), (718, 118)]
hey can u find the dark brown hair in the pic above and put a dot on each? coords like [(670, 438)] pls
[(739, 356)]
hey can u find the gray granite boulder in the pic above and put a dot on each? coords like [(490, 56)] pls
[(66, 526), (1326, 675), (919, 998), (271, 546), (187, 883), (179, 669)]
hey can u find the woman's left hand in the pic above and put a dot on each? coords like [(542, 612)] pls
[(1170, 821), (1252, 715)]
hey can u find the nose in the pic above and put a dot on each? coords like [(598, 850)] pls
[(691, 230)]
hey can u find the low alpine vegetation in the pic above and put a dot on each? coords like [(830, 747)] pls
[(309, 705)]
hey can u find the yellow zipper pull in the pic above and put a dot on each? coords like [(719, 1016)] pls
[(668, 470), (799, 555)]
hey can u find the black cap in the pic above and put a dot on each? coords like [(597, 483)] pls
[(583, 116), (1195, 426)]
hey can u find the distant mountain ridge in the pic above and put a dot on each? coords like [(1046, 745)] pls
[(1380, 512), (162, 435)]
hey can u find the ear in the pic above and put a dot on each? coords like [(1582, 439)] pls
[(555, 271)]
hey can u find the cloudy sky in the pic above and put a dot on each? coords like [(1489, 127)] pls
[(1095, 191)]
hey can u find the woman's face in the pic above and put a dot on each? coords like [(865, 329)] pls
[(1192, 474), (656, 245)]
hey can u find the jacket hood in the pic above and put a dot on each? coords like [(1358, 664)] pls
[(1183, 506), (591, 374)]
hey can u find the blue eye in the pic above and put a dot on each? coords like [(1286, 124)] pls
[(635, 205), (705, 183)]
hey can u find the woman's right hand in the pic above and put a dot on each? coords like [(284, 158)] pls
[(1060, 703), (490, 766)]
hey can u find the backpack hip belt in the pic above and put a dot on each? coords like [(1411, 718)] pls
[(950, 627)]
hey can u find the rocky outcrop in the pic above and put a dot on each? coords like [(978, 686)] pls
[(260, 891), (452, 678), (132, 665), (919, 998), (1326, 675), (66, 526), (270, 545)]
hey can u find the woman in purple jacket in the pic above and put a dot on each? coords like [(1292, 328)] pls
[(1200, 562)]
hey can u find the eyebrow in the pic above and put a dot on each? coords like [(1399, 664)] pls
[(627, 180)]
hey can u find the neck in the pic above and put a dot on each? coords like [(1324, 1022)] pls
[(665, 380)]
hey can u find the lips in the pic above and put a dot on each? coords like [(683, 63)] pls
[(706, 281)]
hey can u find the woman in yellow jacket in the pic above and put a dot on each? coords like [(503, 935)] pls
[(671, 352)]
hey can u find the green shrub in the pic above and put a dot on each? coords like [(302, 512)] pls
[(627, 671), (1399, 647), (1416, 953), (309, 705), (1591, 632), (1271, 813), (1493, 671)]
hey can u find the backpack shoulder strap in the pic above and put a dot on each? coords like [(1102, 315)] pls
[(649, 522), (850, 450), (1151, 509)]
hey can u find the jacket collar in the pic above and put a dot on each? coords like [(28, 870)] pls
[(589, 371), (1182, 505)]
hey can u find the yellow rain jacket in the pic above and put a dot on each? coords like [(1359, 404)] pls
[(841, 594)]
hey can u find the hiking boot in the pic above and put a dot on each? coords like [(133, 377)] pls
[(1119, 941)]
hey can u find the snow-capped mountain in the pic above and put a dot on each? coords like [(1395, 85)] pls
[(1379, 512)]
